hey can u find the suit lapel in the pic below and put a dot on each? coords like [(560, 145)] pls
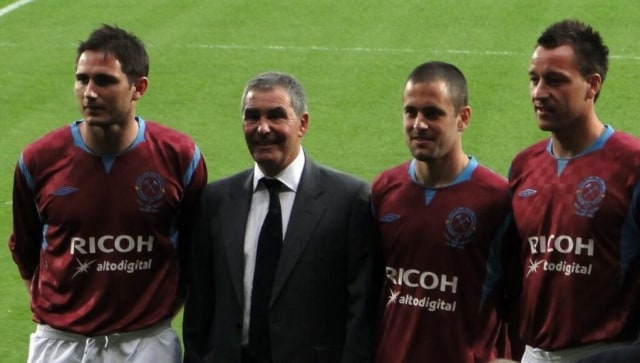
[(234, 221), (306, 213)]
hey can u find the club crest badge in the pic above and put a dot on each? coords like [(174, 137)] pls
[(461, 225), (150, 191), (589, 196)]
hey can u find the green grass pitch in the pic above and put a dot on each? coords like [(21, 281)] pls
[(351, 56)]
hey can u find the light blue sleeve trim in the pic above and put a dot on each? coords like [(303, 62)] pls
[(193, 166), (25, 173), (44, 243)]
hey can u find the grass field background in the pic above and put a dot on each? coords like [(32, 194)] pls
[(351, 56)]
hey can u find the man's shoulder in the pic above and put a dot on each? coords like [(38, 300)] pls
[(624, 142), (232, 179), (165, 138), (51, 144), (235, 181), (166, 133), (394, 176), (221, 192), (485, 171), (535, 148), (396, 171), (59, 136), (322, 171), (530, 155)]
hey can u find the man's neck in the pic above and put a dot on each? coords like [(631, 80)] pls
[(109, 139), (570, 142), (441, 172)]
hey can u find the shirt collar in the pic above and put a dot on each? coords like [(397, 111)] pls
[(290, 176)]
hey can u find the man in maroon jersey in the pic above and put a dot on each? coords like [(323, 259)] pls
[(442, 217), (101, 212), (575, 204)]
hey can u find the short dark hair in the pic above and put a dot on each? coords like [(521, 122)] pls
[(270, 80), (447, 73), (590, 51), (124, 46)]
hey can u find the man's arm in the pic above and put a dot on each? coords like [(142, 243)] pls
[(26, 239), (365, 278), (199, 306)]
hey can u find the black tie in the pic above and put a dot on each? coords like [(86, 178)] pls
[(268, 253)]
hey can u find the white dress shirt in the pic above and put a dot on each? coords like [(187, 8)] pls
[(290, 178)]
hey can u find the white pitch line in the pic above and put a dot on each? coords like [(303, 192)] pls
[(11, 7), (341, 49), (318, 48), (374, 50)]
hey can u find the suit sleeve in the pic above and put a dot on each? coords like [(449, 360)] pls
[(198, 312), (624, 354), (364, 280)]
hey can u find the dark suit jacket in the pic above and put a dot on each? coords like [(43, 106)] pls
[(326, 288), (628, 354)]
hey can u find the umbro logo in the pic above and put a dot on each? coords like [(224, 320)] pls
[(389, 218), (526, 193), (64, 191)]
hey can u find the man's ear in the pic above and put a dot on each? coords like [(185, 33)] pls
[(464, 117), (140, 87), (595, 83), (304, 124)]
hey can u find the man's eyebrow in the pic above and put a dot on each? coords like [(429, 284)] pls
[(95, 75), (432, 109), (549, 73), (277, 110), (267, 110)]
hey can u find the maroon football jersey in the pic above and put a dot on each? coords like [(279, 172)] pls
[(101, 237), (442, 254), (578, 222)]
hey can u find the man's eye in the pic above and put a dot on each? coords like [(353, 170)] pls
[(104, 80), (276, 114), (410, 112), (554, 81), (431, 114), (250, 116)]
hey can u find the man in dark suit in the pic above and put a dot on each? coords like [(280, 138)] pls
[(320, 303)]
